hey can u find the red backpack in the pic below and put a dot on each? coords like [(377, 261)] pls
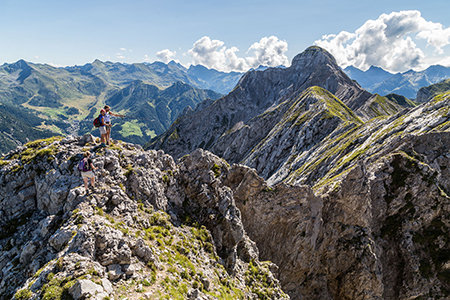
[(97, 122)]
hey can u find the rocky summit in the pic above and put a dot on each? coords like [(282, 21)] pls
[(149, 229)]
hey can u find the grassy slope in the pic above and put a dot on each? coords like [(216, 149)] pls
[(338, 153)]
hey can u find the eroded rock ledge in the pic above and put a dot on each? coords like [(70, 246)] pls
[(150, 229)]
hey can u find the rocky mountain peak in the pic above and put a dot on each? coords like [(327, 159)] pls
[(150, 228), (258, 93), (313, 55), (20, 64)]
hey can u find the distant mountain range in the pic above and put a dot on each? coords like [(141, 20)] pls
[(65, 100), (161, 74), (368, 79), (377, 80)]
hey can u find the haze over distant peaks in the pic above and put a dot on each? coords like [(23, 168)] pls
[(377, 80), (369, 77)]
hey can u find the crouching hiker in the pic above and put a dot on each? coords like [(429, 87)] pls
[(86, 167)]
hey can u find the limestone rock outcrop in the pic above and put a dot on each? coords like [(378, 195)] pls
[(150, 228)]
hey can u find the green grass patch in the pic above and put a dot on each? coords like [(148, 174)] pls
[(150, 133), (131, 128), (216, 169), (23, 294)]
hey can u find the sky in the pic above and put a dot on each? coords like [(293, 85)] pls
[(232, 35)]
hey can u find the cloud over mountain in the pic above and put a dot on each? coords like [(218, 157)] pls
[(269, 51), (388, 42), (166, 55)]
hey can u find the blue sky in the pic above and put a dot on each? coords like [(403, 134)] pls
[(228, 35)]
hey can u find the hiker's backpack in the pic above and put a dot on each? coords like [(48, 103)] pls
[(83, 165), (97, 122)]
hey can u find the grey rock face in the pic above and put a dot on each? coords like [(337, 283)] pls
[(423, 95), (62, 237), (426, 93), (27, 252), (83, 289), (144, 252), (145, 213), (114, 272)]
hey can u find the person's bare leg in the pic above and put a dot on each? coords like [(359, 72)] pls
[(108, 134), (93, 182), (85, 183)]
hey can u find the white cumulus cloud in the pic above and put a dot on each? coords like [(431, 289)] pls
[(387, 42), (269, 51), (166, 55), (209, 53)]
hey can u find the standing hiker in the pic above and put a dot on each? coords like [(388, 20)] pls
[(108, 122), (86, 167), (102, 128)]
